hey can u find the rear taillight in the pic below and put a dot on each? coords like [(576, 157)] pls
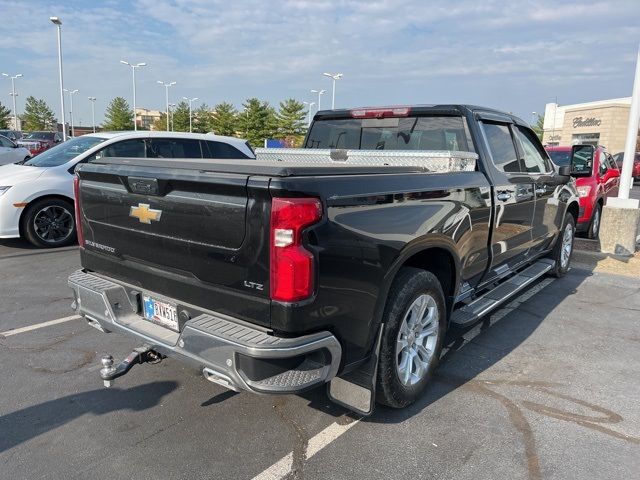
[(76, 194), (383, 112), (292, 266)]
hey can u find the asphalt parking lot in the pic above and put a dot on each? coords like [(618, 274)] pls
[(547, 387)]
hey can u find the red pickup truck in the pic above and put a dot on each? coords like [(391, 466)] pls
[(597, 177)]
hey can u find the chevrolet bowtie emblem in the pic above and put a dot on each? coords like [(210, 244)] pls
[(145, 213)]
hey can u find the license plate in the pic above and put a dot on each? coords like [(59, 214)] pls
[(160, 312)]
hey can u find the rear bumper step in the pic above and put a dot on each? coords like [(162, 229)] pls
[(229, 352)]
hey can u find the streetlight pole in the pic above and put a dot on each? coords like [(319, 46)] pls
[(533, 118), (133, 72), (166, 86), (71, 92), (58, 23), (172, 107), (190, 100), (319, 92), (14, 94), (334, 77), (93, 112), (309, 112)]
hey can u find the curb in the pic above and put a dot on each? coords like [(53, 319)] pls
[(606, 263)]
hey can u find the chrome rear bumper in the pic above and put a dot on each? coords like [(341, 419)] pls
[(230, 352)]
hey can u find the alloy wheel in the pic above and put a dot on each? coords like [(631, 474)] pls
[(53, 224), (567, 246), (417, 340)]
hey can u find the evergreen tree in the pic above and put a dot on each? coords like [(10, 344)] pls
[(203, 119), (225, 120), (118, 115), (291, 118), (180, 117), (37, 115), (257, 122), (538, 128), (5, 116), (160, 124)]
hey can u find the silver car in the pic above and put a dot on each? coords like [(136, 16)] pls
[(11, 152)]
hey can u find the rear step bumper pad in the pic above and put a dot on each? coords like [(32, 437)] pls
[(221, 346)]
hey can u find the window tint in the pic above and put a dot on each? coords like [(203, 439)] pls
[(221, 150), (502, 148), (126, 148), (534, 161), (174, 148), (405, 133)]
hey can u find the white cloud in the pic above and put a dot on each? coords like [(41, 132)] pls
[(388, 50)]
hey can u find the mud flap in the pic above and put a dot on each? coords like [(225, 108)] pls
[(356, 390)]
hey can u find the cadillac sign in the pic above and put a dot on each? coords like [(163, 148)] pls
[(586, 122)]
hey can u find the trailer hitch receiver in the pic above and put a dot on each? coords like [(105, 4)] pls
[(140, 355)]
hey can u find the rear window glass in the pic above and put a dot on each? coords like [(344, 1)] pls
[(406, 133)]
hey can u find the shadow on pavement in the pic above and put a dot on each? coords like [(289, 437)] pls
[(23, 425), (459, 366)]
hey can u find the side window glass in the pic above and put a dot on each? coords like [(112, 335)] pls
[(502, 148), (221, 150), (603, 163), (127, 148), (174, 148), (534, 161), (4, 142)]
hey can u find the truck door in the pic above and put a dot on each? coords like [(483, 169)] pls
[(514, 199), (548, 217)]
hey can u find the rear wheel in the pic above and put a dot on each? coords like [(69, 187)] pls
[(564, 247), (594, 226), (414, 327), (49, 223)]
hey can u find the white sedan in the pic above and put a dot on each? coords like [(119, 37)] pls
[(11, 152), (36, 197)]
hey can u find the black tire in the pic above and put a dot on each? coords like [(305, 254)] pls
[(596, 220), (62, 227), (560, 268), (410, 285)]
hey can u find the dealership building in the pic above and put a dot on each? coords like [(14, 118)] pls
[(597, 123)]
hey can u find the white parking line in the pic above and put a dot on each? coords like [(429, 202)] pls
[(37, 326), (282, 467)]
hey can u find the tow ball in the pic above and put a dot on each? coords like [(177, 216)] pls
[(140, 355)]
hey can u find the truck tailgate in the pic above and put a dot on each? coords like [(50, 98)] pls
[(187, 224)]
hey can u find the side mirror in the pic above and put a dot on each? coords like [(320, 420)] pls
[(582, 160), (565, 170)]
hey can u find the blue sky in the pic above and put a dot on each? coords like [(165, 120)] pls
[(515, 55)]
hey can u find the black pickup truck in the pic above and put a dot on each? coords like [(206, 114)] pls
[(343, 262)]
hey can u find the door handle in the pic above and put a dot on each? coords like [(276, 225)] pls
[(504, 196)]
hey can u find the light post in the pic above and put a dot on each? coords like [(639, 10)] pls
[(190, 100), (166, 86), (58, 23), (93, 112), (319, 92), (172, 110), (133, 72), (533, 118), (71, 92), (334, 77), (14, 95), (309, 112)]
